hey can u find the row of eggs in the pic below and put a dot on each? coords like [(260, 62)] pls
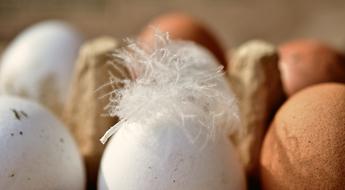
[(38, 64)]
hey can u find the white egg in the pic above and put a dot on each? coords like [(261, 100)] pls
[(37, 151), (175, 118), (38, 64), (162, 157)]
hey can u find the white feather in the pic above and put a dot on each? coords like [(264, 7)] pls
[(177, 79)]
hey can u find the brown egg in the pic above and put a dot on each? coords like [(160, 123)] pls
[(305, 145), (307, 62), (184, 27)]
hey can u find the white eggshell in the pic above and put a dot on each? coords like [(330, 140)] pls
[(174, 124), (162, 157), (38, 64), (37, 151)]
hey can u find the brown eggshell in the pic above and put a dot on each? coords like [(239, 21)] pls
[(305, 145), (307, 62), (184, 27)]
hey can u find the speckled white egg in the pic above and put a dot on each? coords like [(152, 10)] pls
[(37, 151), (38, 63)]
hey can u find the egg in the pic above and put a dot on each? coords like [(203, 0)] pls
[(163, 157), (38, 63), (37, 151), (307, 62), (174, 123), (184, 27), (304, 147)]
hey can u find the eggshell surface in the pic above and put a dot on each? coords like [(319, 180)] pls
[(181, 26), (150, 161), (37, 151), (307, 62), (38, 63), (304, 147)]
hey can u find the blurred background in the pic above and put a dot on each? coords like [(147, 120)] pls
[(234, 21)]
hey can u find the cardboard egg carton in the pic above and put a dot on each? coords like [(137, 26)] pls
[(254, 76), (84, 112)]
